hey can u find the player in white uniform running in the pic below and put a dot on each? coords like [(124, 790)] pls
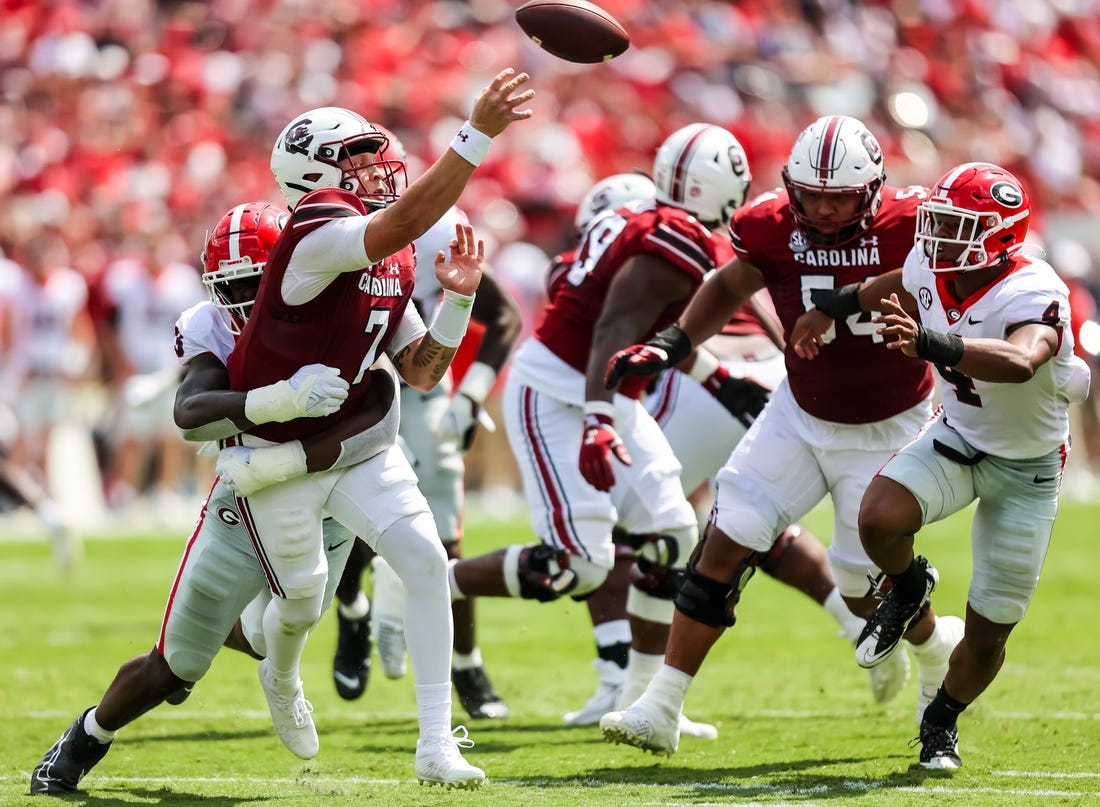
[(219, 573), (994, 321)]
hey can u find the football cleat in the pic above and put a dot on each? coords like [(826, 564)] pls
[(939, 748), (477, 696), (351, 664), (64, 765), (888, 678), (644, 725), (291, 716), (700, 731), (891, 619), (932, 671), (612, 678), (440, 762), (390, 638)]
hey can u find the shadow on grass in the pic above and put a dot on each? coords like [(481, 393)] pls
[(791, 780), (113, 796)]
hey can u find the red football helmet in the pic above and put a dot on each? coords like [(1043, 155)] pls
[(977, 215), (236, 251)]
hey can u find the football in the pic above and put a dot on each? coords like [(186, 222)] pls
[(574, 30)]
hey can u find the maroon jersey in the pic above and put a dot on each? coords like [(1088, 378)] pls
[(577, 295), (347, 325), (855, 378)]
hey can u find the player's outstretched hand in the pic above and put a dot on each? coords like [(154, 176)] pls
[(498, 104), (899, 329), (462, 273), (667, 349), (808, 333)]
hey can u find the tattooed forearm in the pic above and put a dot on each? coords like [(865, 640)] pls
[(429, 352)]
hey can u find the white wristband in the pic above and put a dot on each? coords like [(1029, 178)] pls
[(280, 462), (470, 144), (605, 408), (478, 382), (451, 318), (704, 365), (267, 404)]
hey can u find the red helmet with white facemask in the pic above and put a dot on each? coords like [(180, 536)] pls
[(234, 255), (977, 216)]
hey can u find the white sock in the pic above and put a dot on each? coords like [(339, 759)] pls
[(466, 661), (433, 709), (617, 631), (286, 628), (93, 728), (931, 649), (850, 624), (669, 688), (639, 672), (358, 609)]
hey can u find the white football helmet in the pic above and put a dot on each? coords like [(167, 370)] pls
[(704, 170), (611, 193), (314, 150), (835, 154)]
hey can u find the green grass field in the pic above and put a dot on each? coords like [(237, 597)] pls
[(797, 723)]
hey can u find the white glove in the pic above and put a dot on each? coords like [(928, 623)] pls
[(246, 470), (465, 412), (314, 391)]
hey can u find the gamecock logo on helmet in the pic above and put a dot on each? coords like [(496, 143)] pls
[(298, 137)]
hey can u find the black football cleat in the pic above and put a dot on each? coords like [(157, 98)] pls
[(477, 696), (351, 664), (73, 755)]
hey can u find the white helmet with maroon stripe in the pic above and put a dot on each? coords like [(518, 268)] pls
[(835, 154), (702, 169)]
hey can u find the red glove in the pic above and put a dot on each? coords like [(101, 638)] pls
[(600, 441)]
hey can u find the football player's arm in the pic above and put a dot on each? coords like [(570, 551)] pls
[(1012, 360), (206, 408), (425, 201), (423, 361), (496, 310), (836, 304), (718, 298), (644, 287)]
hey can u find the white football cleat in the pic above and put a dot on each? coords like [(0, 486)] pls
[(700, 731), (888, 678), (931, 671), (440, 762), (644, 725), (612, 678), (390, 640), (291, 716)]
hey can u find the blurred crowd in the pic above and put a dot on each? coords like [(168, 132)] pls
[(127, 127)]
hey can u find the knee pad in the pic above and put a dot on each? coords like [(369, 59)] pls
[(711, 601), (770, 562), (659, 561), (538, 572)]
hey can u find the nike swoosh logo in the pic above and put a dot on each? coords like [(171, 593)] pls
[(349, 681), (973, 321), (1039, 480), (334, 547)]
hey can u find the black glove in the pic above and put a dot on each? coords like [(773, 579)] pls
[(742, 397), (837, 303), (668, 348)]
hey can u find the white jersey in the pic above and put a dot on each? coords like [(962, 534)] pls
[(201, 329), (43, 317), (1013, 421), (147, 304)]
